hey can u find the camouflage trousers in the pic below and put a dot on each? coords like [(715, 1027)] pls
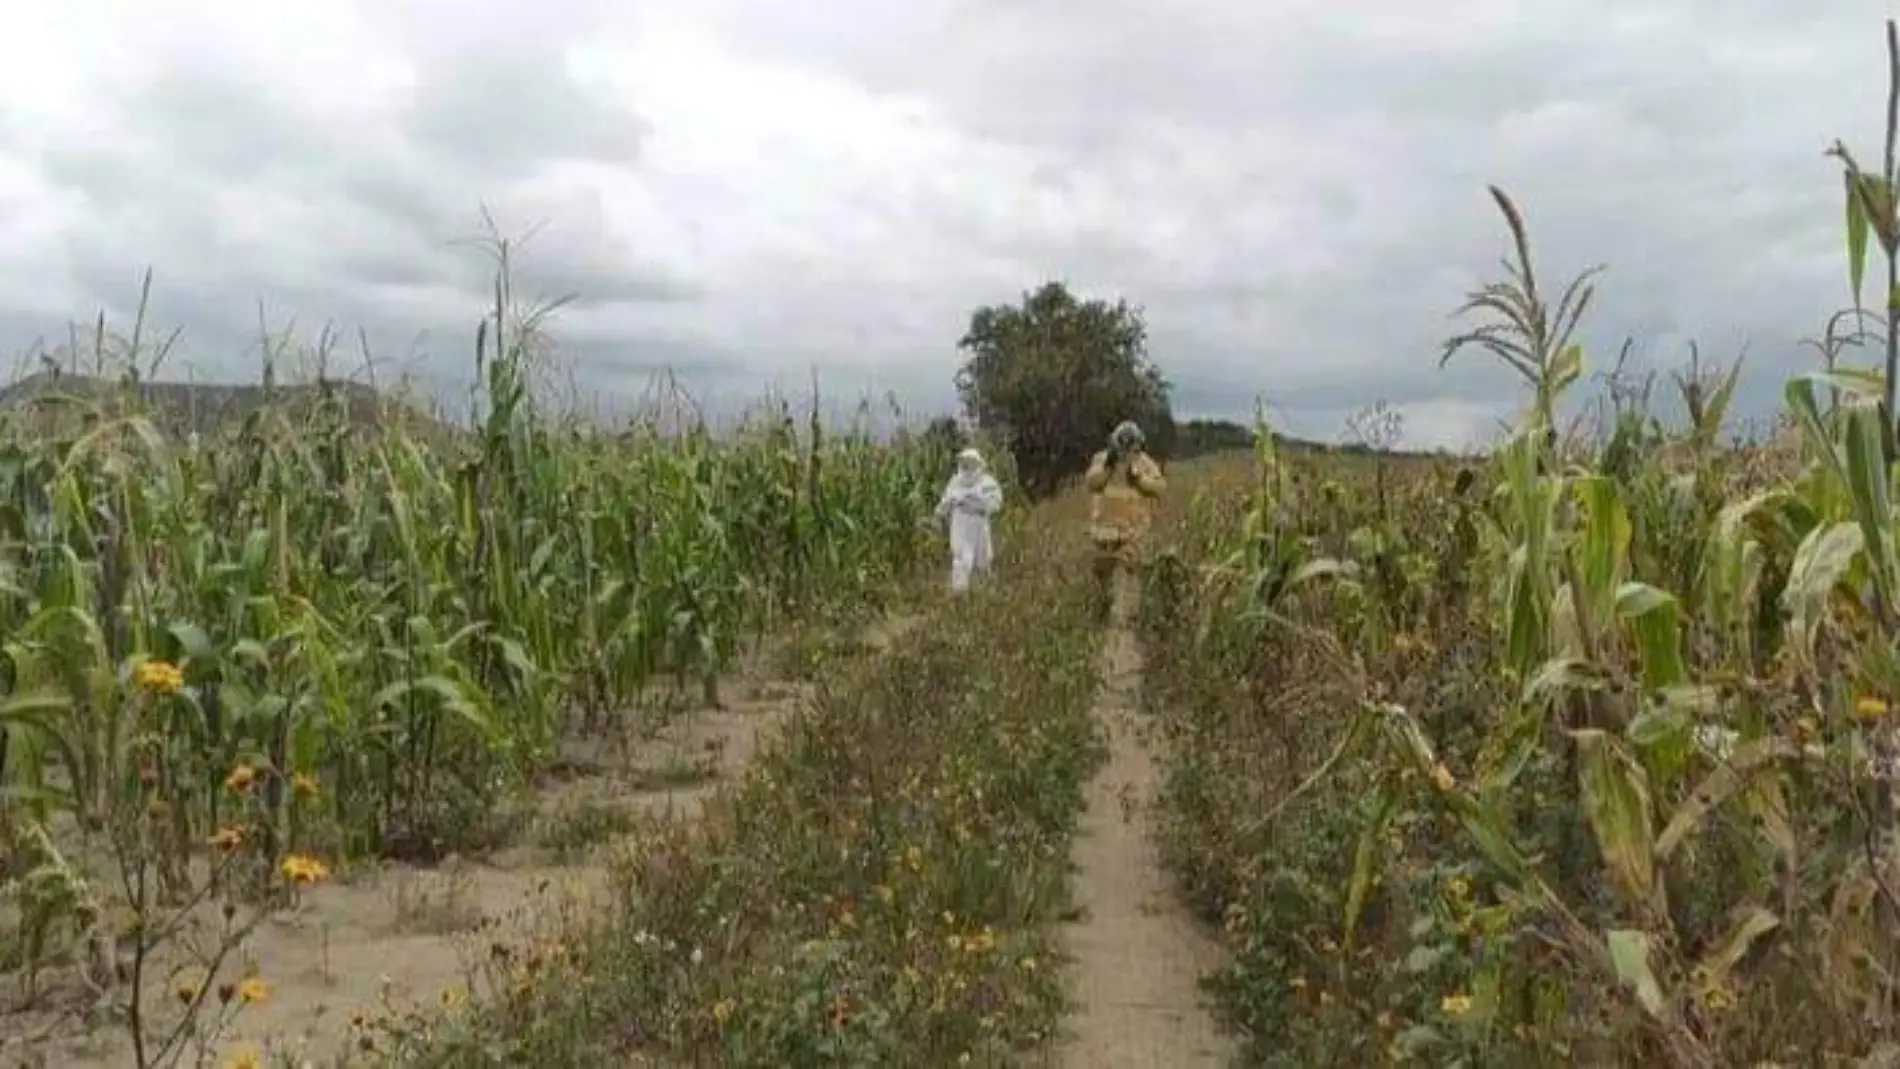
[(1114, 567)]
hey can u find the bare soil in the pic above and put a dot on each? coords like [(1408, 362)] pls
[(1138, 955)]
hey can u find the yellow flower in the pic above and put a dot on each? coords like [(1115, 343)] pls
[(1458, 887), (1442, 777), (305, 784), (241, 778), (1868, 707), (1718, 999), (159, 677), (304, 870), (227, 840), (247, 1058), (453, 996), (253, 991), (722, 1010), (1456, 1005)]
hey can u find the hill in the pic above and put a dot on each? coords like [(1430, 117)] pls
[(1206, 437), (180, 409)]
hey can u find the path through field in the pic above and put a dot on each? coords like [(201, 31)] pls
[(1139, 955)]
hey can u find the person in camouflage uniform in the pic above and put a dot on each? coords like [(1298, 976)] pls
[(1123, 483)]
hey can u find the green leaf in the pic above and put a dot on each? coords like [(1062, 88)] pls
[(1604, 546), (1820, 562), (1616, 801), (1866, 440), (1655, 616), (1749, 925), (1856, 238), (1629, 956), (1719, 786), (193, 643), (1364, 864)]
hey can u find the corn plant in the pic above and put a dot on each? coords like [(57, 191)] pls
[(388, 625)]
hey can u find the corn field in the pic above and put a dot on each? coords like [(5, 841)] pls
[(1579, 753), (385, 631)]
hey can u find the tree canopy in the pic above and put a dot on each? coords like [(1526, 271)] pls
[(1051, 376)]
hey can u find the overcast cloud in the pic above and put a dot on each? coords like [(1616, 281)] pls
[(741, 191)]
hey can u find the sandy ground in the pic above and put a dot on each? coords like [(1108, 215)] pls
[(1138, 955), (397, 934)]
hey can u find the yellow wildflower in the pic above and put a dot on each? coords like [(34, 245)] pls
[(304, 870), (722, 1010), (247, 1058), (241, 778), (1718, 999), (304, 784), (1456, 1005), (159, 677), (1442, 777), (227, 840), (253, 991), (1868, 707)]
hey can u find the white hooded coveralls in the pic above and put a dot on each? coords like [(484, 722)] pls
[(971, 498)]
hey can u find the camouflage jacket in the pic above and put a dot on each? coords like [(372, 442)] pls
[(1121, 501)]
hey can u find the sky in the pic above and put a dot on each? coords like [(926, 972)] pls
[(745, 194)]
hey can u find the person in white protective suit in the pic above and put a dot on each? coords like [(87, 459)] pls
[(971, 498)]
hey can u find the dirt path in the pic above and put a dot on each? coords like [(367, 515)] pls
[(397, 935), (1138, 954)]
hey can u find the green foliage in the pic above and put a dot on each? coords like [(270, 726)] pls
[(1596, 767), (1051, 376), (378, 637)]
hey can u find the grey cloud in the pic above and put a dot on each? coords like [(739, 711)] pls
[(501, 112), (375, 228), (1701, 183), (1294, 193)]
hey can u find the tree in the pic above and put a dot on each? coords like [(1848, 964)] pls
[(1201, 437), (1049, 378)]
